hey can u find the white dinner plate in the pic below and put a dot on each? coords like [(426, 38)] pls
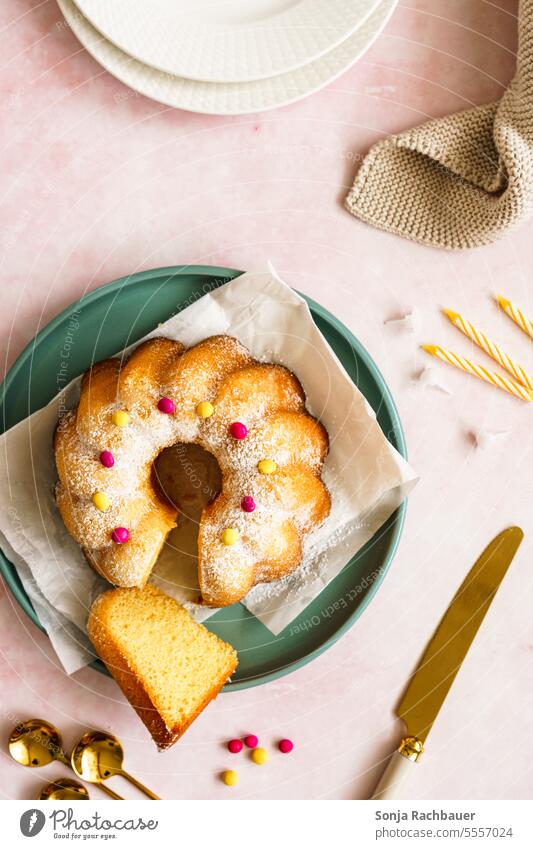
[(226, 98), (226, 40)]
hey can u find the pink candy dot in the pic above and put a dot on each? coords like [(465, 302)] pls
[(107, 459), (251, 741), (120, 535), (166, 405), (248, 504), (285, 746), (235, 746), (238, 430)]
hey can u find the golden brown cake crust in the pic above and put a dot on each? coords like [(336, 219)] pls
[(267, 398)]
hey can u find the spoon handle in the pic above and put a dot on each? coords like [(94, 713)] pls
[(109, 792), (138, 784)]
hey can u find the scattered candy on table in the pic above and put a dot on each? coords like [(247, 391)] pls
[(120, 535), (166, 405), (267, 467), (516, 314), (238, 430), (494, 351), (492, 377), (230, 777), (101, 501), (230, 536), (107, 459), (248, 504), (204, 409), (121, 418), (260, 756)]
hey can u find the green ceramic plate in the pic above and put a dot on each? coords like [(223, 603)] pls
[(125, 310)]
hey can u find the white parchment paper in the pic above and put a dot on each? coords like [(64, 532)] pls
[(366, 476)]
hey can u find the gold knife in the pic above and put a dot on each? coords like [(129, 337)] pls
[(444, 655)]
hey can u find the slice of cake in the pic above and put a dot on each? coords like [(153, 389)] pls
[(168, 666)]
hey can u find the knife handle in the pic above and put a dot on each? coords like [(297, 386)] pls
[(397, 769)]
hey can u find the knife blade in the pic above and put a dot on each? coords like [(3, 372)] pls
[(445, 652)]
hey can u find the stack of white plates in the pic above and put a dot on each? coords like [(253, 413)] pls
[(227, 57)]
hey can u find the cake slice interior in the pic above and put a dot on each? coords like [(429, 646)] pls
[(168, 666)]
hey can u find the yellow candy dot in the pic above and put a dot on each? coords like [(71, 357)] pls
[(204, 409), (229, 536), (230, 777), (267, 467), (101, 501), (260, 756), (121, 418)]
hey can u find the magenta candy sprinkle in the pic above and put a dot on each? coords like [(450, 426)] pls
[(285, 746), (238, 430), (251, 741), (107, 459), (166, 405), (120, 535), (235, 746), (248, 504)]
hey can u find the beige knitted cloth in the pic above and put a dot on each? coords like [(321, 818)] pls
[(461, 181)]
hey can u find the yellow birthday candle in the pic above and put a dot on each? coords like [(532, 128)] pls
[(491, 348), (516, 314), (492, 377)]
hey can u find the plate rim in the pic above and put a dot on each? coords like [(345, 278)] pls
[(290, 18), (6, 566), (119, 67)]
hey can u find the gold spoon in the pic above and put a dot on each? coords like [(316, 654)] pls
[(64, 788), (36, 742), (98, 756)]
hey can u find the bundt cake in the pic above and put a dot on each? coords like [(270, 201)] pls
[(168, 666), (250, 415)]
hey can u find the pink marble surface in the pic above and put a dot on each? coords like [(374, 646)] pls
[(99, 182)]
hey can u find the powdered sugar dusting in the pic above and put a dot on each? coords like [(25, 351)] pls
[(267, 398)]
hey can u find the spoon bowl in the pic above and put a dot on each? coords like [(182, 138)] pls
[(36, 742), (98, 756), (64, 789)]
